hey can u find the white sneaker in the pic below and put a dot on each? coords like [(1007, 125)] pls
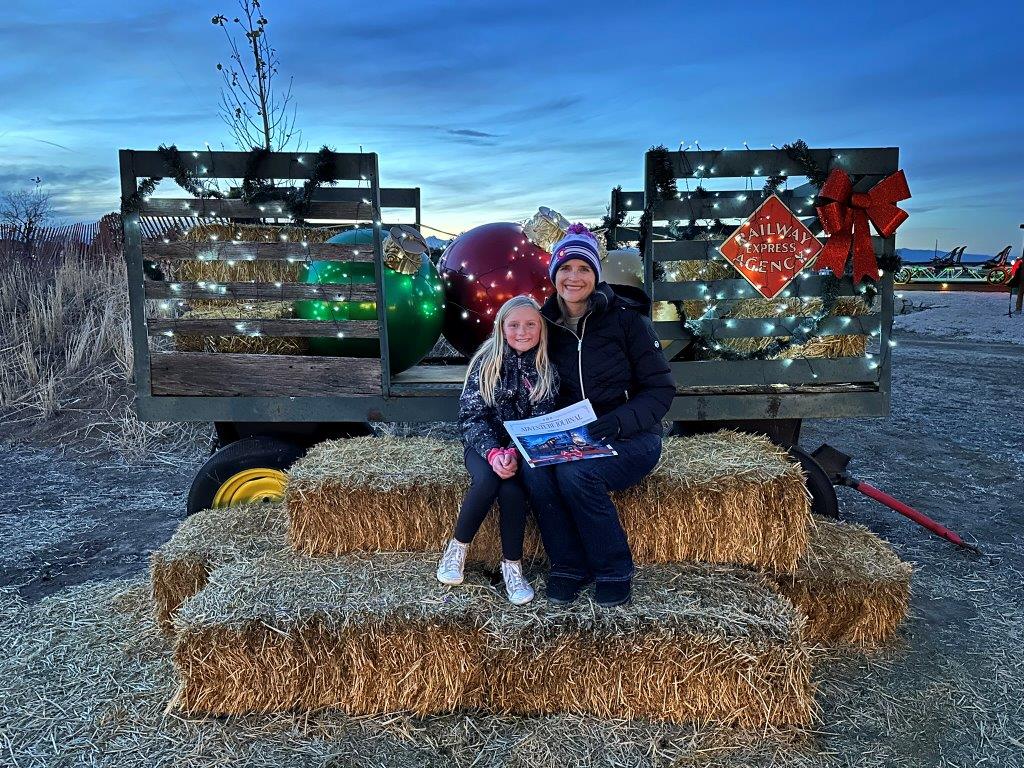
[(453, 562), (516, 586)]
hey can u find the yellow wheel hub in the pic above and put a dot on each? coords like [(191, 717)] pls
[(251, 485)]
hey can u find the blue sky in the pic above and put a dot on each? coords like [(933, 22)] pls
[(496, 108)]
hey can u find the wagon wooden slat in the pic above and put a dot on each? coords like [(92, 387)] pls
[(253, 291)]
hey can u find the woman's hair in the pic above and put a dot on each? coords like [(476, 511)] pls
[(491, 355)]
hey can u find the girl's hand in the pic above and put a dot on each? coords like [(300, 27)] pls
[(511, 460), (500, 466), (499, 463)]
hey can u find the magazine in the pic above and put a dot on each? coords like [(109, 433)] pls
[(558, 437)]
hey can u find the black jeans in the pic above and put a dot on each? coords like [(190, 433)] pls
[(486, 487), (578, 522)]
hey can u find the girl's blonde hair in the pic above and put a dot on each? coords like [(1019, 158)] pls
[(491, 355)]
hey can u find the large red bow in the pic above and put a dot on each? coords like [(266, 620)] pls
[(846, 217)]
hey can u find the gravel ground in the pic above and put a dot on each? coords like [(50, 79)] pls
[(946, 693)]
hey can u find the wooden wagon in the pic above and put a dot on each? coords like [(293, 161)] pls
[(268, 409)]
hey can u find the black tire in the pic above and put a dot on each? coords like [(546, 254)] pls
[(247, 453), (824, 501)]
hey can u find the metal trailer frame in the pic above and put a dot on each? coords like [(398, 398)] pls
[(294, 389)]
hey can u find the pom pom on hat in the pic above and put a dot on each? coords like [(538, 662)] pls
[(578, 243), (580, 229)]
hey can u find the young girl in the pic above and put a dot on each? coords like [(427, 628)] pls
[(509, 378)]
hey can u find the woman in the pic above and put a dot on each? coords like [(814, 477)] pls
[(604, 348)]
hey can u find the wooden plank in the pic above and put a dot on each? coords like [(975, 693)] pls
[(204, 374), (771, 162), (687, 250), (725, 205), (814, 370), (227, 250), (787, 405), (394, 197), (750, 389), (737, 328), (432, 374), (236, 209), (707, 250), (355, 329), (232, 165), (158, 289), (808, 285), (632, 234), (132, 250)]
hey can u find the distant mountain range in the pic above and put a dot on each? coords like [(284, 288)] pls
[(436, 242)]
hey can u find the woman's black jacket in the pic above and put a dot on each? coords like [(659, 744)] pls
[(624, 370)]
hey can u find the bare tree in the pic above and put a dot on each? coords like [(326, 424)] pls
[(256, 115), (25, 212)]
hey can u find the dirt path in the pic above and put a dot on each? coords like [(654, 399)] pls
[(69, 519)]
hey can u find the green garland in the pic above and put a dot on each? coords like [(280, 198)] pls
[(609, 222), (800, 154), (179, 172), (255, 189), (297, 202)]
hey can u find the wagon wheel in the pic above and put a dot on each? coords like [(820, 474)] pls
[(245, 471), (904, 275), (824, 501), (996, 276)]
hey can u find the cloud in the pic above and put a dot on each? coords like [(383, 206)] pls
[(545, 109), (472, 133)]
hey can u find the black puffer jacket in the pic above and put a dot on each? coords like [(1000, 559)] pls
[(481, 424), (624, 370)]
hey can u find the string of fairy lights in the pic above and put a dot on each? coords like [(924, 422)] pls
[(295, 204), (799, 329), (262, 195)]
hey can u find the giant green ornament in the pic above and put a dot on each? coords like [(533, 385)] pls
[(415, 306)]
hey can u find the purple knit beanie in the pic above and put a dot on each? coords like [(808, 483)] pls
[(578, 243)]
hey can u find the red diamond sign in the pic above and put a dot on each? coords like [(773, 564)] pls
[(771, 247)]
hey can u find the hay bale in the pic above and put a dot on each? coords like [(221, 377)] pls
[(851, 586), (824, 346), (232, 310), (205, 541), (243, 270), (374, 635), (721, 498)]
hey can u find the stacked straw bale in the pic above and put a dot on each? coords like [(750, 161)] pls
[(230, 310), (243, 270), (851, 586), (205, 542), (719, 498), (376, 634), (825, 346)]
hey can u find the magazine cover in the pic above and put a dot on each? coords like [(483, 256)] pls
[(558, 437)]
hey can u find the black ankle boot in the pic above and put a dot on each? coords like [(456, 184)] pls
[(563, 590), (608, 594)]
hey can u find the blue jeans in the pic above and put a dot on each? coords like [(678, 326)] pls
[(578, 522)]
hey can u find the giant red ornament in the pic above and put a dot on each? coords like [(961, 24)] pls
[(482, 269)]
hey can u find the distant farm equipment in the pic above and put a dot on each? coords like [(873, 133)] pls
[(948, 270)]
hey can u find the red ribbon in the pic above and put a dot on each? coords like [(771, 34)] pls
[(845, 219)]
